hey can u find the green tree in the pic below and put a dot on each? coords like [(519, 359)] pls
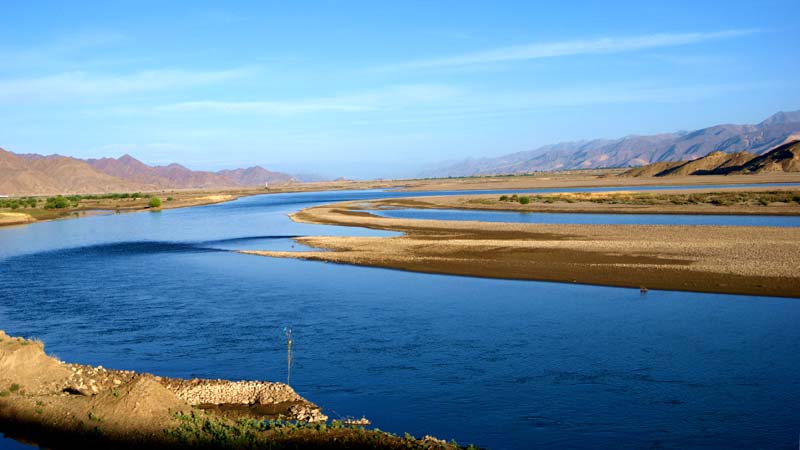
[(155, 202), (524, 200), (57, 202)]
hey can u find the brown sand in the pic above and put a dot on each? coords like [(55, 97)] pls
[(37, 390), (740, 260), (11, 218)]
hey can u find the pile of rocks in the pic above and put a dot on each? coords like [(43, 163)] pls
[(202, 391), (89, 380)]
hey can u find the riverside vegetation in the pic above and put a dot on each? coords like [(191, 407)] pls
[(743, 198)]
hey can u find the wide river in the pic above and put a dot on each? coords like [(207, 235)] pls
[(502, 364)]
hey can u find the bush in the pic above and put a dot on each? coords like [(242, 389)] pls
[(155, 202), (503, 198), (524, 200), (57, 202)]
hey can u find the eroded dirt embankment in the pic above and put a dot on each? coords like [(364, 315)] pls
[(39, 392), (737, 260)]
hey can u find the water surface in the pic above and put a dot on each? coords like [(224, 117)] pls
[(499, 363), (587, 219)]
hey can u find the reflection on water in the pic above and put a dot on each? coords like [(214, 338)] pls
[(504, 364)]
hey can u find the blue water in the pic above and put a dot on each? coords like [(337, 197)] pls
[(582, 219), (499, 363)]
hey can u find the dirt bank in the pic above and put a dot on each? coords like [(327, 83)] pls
[(63, 406), (737, 260), (11, 218), (778, 201)]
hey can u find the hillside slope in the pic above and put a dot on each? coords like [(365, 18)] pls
[(784, 158), (41, 175), (33, 174), (634, 150)]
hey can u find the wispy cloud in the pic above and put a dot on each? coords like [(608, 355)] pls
[(82, 84), (380, 99), (569, 48)]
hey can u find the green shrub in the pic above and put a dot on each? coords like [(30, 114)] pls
[(57, 202), (155, 202), (503, 198), (524, 200)]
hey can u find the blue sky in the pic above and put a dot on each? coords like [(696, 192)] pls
[(379, 88)]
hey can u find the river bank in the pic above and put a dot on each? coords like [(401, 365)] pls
[(547, 180), (58, 405), (725, 259), (756, 201)]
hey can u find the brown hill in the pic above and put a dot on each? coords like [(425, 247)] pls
[(173, 176), (784, 158), (651, 170), (76, 176), (42, 175), (32, 174), (17, 178), (255, 176), (176, 176), (708, 164), (127, 167)]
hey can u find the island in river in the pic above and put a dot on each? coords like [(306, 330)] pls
[(727, 259)]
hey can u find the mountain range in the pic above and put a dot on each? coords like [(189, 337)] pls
[(632, 151), (784, 158), (32, 174)]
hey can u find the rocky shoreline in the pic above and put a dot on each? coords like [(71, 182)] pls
[(38, 389)]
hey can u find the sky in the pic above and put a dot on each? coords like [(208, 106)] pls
[(379, 88)]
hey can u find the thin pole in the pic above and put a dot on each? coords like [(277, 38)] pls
[(288, 355)]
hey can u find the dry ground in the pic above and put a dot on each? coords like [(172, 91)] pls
[(740, 260)]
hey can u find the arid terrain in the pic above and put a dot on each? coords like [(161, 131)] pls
[(59, 405), (692, 258)]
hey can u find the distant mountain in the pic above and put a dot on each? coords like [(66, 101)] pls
[(176, 176), (255, 176), (36, 174), (784, 158), (634, 150), (32, 174)]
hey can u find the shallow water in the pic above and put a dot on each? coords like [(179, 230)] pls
[(503, 364), (592, 218)]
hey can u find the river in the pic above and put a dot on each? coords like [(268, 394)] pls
[(498, 363)]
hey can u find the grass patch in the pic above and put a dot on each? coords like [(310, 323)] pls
[(201, 430)]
